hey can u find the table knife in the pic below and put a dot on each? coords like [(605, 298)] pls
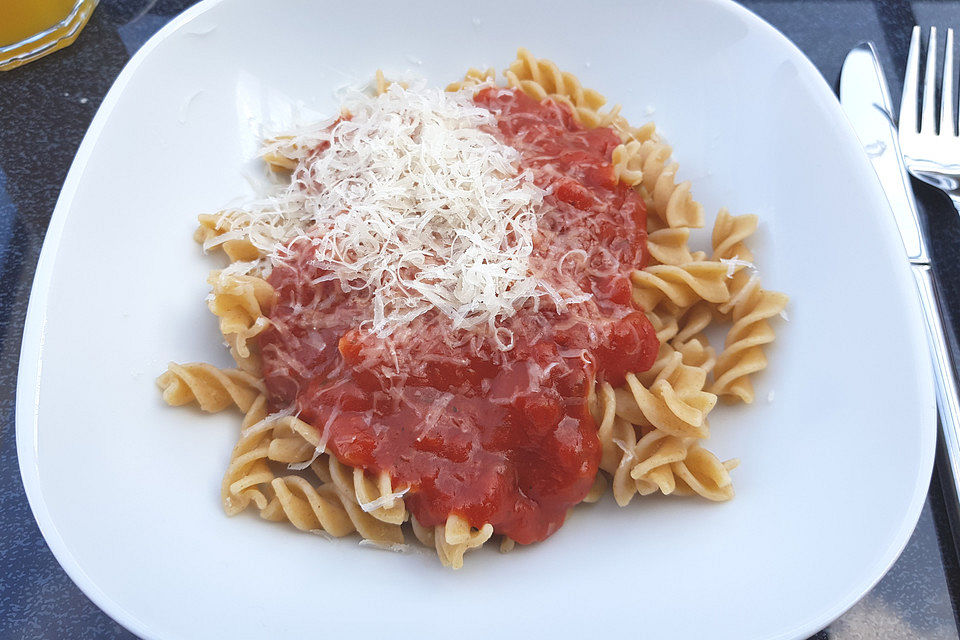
[(866, 101)]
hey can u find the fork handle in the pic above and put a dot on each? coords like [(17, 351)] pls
[(948, 401)]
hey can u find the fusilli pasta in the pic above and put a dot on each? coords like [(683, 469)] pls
[(473, 78), (681, 286), (742, 353), (330, 505), (240, 303), (216, 231), (211, 388), (540, 79), (749, 309)]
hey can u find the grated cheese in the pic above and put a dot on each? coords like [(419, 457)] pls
[(628, 454), (300, 466), (322, 534), (735, 263), (747, 289), (268, 422), (395, 547), (383, 501), (414, 201)]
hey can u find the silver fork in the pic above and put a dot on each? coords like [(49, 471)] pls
[(931, 155)]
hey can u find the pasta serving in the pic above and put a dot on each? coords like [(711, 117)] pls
[(463, 312)]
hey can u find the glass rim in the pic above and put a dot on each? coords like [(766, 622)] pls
[(69, 26)]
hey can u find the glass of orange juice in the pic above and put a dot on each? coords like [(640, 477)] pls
[(30, 29)]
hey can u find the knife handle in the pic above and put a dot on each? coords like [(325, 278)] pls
[(948, 401)]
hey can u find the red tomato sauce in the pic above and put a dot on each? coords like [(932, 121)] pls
[(493, 435)]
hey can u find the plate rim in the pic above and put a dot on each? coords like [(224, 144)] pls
[(32, 342)]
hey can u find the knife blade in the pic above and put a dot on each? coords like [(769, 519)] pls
[(866, 101)]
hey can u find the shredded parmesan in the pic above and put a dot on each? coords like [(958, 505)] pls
[(747, 289), (412, 200), (267, 422), (395, 547), (383, 501), (628, 454), (322, 534), (300, 466), (735, 263)]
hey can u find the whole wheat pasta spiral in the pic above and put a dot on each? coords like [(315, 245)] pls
[(749, 308), (657, 461), (240, 302), (729, 235), (674, 400), (540, 79), (669, 246), (216, 231), (326, 504), (453, 539), (472, 78), (671, 203), (669, 464), (664, 323), (742, 353), (681, 286), (211, 388), (693, 322)]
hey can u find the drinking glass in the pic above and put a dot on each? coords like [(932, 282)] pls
[(30, 29)]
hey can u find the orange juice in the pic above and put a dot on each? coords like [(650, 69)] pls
[(33, 28)]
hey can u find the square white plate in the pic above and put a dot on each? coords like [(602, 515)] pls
[(126, 491)]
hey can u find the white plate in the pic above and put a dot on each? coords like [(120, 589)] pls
[(126, 490)]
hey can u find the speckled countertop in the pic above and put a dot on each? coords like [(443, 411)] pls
[(45, 108)]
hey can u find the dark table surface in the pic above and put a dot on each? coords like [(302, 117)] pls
[(45, 108)]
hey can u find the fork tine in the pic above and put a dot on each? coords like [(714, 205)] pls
[(908, 101), (947, 99), (928, 123)]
